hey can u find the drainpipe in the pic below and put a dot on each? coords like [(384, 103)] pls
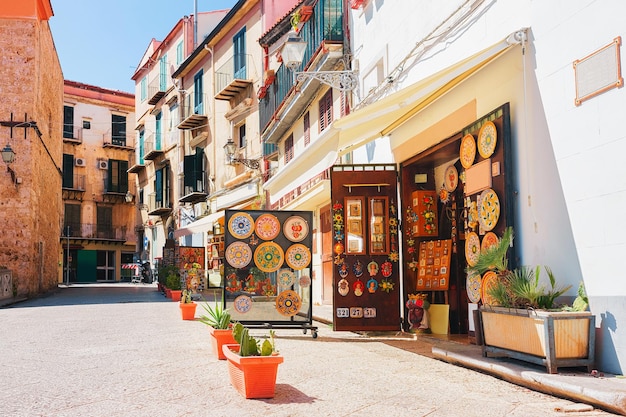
[(195, 24)]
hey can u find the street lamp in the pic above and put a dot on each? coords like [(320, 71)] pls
[(8, 156), (230, 149), (292, 54)]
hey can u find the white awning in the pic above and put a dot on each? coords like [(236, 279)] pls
[(204, 224)]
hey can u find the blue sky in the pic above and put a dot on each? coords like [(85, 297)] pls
[(100, 42)]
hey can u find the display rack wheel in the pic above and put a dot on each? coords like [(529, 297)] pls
[(304, 331), (314, 334)]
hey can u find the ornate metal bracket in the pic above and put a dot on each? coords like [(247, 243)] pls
[(341, 80)]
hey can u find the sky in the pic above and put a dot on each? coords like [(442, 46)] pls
[(100, 42)]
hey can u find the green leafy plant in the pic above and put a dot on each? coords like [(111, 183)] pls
[(165, 271), (173, 281), (250, 346), (495, 257), (216, 316)]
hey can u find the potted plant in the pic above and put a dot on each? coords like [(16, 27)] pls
[(173, 285), (163, 272), (187, 306), (252, 365), (220, 327)]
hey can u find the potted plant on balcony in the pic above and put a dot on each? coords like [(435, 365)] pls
[(187, 306), (252, 365), (217, 318)]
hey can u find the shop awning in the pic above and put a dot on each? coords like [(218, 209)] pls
[(204, 224), (382, 117)]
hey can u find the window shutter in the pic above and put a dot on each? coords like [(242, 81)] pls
[(68, 171), (307, 129)]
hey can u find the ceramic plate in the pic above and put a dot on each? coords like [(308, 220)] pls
[(298, 256), (490, 279), (267, 226), (473, 285), (238, 254), (489, 212), (296, 228), (490, 239), (242, 304), (451, 179), (268, 257), (468, 151), (241, 225), (288, 303), (472, 248), (285, 278), (305, 281), (487, 138)]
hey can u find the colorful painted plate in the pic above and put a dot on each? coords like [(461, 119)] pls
[(489, 212), (487, 138), (241, 225), (288, 303), (298, 256), (473, 286), (468, 151), (285, 278), (296, 229), (490, 279), (238, 254), (490, 239), (305, 281), (242, 304), (472, 248), (267, 226), (268, 257), (451, 179)]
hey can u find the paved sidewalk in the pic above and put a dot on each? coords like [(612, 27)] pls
[(116, 350)]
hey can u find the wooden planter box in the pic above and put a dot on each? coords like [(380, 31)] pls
[(554, 339), (252, 376)]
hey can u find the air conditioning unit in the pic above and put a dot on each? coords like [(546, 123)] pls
[(103, 164), (79, 162)]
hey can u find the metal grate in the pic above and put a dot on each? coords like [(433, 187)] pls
[(598, 72)]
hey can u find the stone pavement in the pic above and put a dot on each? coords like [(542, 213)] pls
[(123, 350)]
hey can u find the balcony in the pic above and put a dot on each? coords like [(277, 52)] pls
[(157, 88), (195, 193), (75, 189), (233, 77), (159, 207), (72, 134), (116, 193), (95, 232), (194, 109), (153, 147), (119, 141)]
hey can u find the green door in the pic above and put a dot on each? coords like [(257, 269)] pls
[(86, 268)]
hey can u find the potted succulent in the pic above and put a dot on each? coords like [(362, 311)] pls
[(187, 306), (252, 365), (217, 318)]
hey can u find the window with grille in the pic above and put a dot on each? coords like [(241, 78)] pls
[(68, 122), (118, 130), (289, 149), (326, 110), (307, 129), (72, 220), (117, 181), (68, 171)]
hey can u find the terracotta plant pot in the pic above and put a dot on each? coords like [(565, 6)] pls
[(252, 376), (188, 310), (168, 293), (220, 337), (176, 295)]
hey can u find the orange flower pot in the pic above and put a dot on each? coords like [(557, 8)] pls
[(188, 310), (220, 337), (176, 295), (252, 376)]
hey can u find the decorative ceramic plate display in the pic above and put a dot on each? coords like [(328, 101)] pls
[(267, 226), (472, 248), (268, 256), (242, 304), (296, 228), (285, 278), (451, 178), (490, 239), (305, 281), (288, 303), (487, 138), (473, 286), (490, 280), (241, 225), (298, 256), (238, 254), (468, 151), (489, 212)]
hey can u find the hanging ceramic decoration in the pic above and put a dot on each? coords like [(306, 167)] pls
[(238, 254), (298, 256), (468, 151), (358, 288), (473, 285), (451, 178), (241, 225), (295, 228), (489, 212), (343, 270), (472, 248), (372, 286), (386, 269), (268, 256), (490, 280), (339, 248), (285, 278), (343, 287), (305, 281), (487, 138), (288, 303), (357, 268), (489, 240), (242, 304), (372, 268), (267, 226)]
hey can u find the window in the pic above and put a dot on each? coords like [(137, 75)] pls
[(142, 147), (143, 87), (239, 46), (289, 149), (197, 93), (345, 104), (105, 269), (86, 124), (162, 188), (104, 222), (326, 110), (194, 172), (242, 136), (180, 53), (158, 127), (163, 73), (117, 181), (307, 129), (118, 130), (68, 171), (72, 220), (68, 122)]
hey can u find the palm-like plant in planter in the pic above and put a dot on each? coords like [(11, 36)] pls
[(220, 328)]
